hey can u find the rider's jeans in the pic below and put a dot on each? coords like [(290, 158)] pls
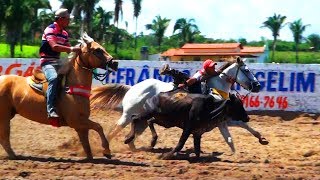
[(52, 77)]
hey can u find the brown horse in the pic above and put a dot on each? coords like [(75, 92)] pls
[(17, 97)]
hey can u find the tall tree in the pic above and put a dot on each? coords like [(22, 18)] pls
[(158, 26), (136, 13), (187, 29), (101, 22), (2, 13), (88, 10), (297, 29), (14, 19), (117, 11), (274, 23), (34, 6), (314, 40)]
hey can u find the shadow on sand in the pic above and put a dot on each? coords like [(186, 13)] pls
[(187, 155), (93, 161)]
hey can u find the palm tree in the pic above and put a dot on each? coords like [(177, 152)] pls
[(136, 13), (81, 6), (314, 40), (118, 11), (101, 22), (34, 6), (187, 29), (88, 9), (297, 29), (159, 27), (274, 23)]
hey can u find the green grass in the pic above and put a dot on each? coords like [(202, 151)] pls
[(290, 57), (280, 56)]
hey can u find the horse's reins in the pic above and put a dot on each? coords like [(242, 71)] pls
[(98, 76), (234, 80)]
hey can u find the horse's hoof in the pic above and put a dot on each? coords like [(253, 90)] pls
[(263, 141), (108, 156)]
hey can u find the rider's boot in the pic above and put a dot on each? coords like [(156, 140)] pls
[(178, 76), (53, 118)]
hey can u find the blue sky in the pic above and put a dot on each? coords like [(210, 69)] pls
[(227, 19)]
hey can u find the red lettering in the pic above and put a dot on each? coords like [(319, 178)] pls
[(13, 66), (29, 70)]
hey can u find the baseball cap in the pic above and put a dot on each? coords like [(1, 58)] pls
[(62, 13), (207, 64)]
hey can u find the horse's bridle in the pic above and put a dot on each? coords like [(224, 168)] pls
[(234, 80), (98, 76)]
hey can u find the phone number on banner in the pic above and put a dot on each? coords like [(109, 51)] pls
[(272, 102)]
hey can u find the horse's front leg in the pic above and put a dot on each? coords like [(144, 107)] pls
[(226, 135), (262, 140)]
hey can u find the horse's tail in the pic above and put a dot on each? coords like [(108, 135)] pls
[(107, 97)]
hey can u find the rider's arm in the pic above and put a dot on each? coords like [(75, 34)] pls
[(196, 77), (60, 48)]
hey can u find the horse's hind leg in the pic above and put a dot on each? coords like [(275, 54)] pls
[(5, 133), (84, 139), (83, 135)]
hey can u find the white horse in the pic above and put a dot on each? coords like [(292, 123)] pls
[(133, 98)]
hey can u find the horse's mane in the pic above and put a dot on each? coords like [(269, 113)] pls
[(224, 66), (84, 39)]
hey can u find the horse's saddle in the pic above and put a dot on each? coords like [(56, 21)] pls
[(38, 81)]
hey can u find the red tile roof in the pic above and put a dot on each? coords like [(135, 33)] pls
[(247, 49), (214, 50), (212, 46)]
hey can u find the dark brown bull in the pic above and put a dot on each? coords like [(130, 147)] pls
[(194, 113)]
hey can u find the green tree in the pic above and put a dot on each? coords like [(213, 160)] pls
[(243, 41), (274, 23), (101, 22), (314, 40), (33, 21), (3, 7), (159, 27), (297, 29), (15, 13), (187, 29), (136, 13)]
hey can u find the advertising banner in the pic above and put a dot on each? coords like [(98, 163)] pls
[(288, 87)]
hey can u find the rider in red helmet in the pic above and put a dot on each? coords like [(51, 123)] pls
[(182, 80)]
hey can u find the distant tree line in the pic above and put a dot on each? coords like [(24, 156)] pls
[(22, 22)]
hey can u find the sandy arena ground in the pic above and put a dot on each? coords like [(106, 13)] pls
[(55, 153)]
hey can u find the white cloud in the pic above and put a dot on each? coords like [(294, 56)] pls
[(228, 19)]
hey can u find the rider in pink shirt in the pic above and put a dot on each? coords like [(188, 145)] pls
[(54, 41)]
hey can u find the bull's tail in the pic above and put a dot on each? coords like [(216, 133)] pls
[(108, 97)]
